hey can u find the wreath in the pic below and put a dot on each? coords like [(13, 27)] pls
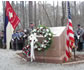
[(41, 31), (26, 50), (44, 32)]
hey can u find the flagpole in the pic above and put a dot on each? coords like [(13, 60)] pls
[(4, 44), (74, 54)]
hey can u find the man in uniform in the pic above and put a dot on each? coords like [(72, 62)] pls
[(79, 32)]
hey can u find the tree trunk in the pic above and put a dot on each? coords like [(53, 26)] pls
[(63, 13), (75, 7), (54, 14), (23, 15), (35, 13), (57, 11), (13, 5), (44, 8), (30, 12), (75, 13)]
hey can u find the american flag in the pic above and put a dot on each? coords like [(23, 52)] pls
[(69, 36)]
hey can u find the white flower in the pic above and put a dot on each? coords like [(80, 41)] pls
[(49, 34), (45, 35), (34, 34), (35, 46), (47, 30), (45, 41), (27, 45), (49, 38), (44, 46), (41, 27), (39, 49), (33, 38)]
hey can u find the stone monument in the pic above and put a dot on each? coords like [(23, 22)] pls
[(56, 52)]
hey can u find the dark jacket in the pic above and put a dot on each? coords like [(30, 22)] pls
[(80, 33)]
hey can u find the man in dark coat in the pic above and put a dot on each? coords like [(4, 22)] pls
[(79, 32)]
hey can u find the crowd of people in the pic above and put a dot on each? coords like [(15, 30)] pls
[(19, 38), (79, 38)]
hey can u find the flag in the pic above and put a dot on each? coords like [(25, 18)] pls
[(69, 36), (11, 22)]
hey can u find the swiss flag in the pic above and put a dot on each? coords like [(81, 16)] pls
[(12, 17)]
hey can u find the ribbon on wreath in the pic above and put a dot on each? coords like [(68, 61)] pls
[(33, 40)]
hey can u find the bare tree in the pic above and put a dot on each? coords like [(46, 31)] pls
[(54, 13), (75, 8), (23, 14), (16, 8), (26, 18), (39, 8), (75, 12), (63, 13), (27, 8), (30, 12), (57, 11), (44, 8), (13, 4), (49, 15), (35, 13)]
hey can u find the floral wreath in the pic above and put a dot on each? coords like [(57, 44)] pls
[(40, 31), (47, 34)]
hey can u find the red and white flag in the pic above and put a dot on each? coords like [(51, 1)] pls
[(12, 17), (11, 22), (69, 36)]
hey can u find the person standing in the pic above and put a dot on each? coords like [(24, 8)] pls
[(79, 32), (31, 25)]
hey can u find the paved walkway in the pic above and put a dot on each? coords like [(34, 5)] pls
[(9, 60)]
